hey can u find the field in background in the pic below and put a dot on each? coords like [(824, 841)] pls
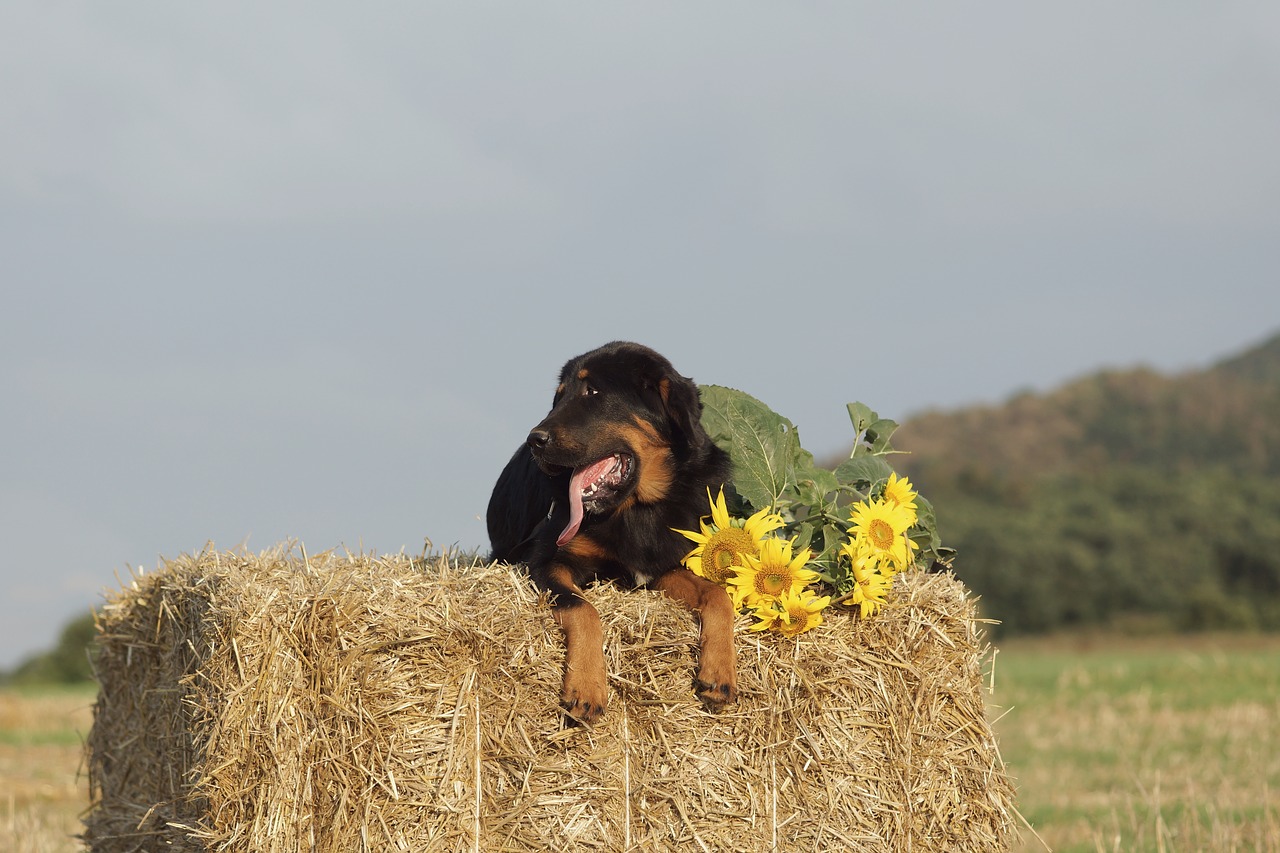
[(42, 785), (1160, 744), (1165, 744)]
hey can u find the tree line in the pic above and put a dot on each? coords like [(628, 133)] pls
[(1126, 499)]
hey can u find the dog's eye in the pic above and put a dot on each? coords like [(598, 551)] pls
[(589, 390)]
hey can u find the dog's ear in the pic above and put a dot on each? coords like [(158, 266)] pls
[(683, 406)]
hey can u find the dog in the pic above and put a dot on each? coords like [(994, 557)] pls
[(598, 491)]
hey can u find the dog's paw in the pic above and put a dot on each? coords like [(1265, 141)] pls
[(584, 699), (717, 688)]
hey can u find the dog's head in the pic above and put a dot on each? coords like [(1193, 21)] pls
[(621, 419)]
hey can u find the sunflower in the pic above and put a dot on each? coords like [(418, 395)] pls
[(725, 542), (872, 580), (899, 492), (880, 532), (791, 614), (769, 575), (769, 615)]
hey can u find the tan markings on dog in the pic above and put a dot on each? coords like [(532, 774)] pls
[(657, 473), (585, 547), (584, 693), (717, 669), (582, 374), (560, 389)]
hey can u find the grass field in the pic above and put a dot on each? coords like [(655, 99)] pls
[(1169, 744), (42, 787), (1162, 744)]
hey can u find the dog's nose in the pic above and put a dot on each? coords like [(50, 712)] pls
[(539, 439)]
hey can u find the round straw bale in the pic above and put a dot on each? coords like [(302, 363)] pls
[(343, 702)]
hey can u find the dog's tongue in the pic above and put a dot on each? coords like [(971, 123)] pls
[(581, 476)]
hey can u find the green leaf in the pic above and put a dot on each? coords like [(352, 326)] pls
[(878, 434), (826, 558), (926, 530), (862, 417), (863, 472), (814, 484), (871, 432), (803, 535), (763, 445)]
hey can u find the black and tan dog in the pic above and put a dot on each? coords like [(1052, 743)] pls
[(596, 491)]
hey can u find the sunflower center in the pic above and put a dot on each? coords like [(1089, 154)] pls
[(723, 551), (798, 625), (772, 580), (881, 534)]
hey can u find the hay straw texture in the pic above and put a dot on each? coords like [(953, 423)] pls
[(280, 702)]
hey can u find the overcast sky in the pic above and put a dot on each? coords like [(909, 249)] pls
[(302, 270)]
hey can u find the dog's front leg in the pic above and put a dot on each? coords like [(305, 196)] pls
[(584, 692), (717, 683)]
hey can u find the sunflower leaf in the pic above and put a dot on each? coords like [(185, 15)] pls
[(863, 472), (926, 530), (803, 536), (814, 484), (862, 417), (878, 434), (763, 445), (872, 432)]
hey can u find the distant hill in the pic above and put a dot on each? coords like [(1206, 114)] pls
[(1228, 415), (69, 662), (1125, 496), (1260, 364)]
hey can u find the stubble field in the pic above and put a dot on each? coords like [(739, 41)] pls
[(1160, 744)]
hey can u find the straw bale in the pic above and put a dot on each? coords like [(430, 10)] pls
[(280, 702)]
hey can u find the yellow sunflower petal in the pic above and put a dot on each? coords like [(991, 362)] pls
[(774, 571), (881, 528), (899, 492)]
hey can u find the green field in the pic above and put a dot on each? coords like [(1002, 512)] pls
[(1162, 744), (1167, 744), (42, 783)]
